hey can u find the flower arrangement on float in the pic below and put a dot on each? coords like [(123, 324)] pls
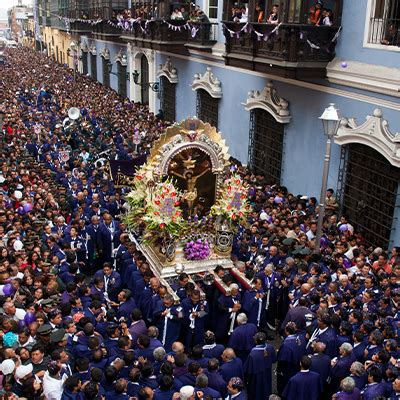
[(233, 206), (163, 213), (137, 199), (155, 206), (197, 248)]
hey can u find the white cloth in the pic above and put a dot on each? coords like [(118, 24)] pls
[(232, 318), (191, 318), (52, 388)]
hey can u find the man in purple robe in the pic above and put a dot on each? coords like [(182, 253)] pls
[(305, 385), (289, 355), (242, 336), (258, 368), (228, 308)]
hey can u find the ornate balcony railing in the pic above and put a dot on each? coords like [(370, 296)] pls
[(175, 36), (294, 50)]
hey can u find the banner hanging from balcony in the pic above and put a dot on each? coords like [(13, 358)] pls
[(314, 46)]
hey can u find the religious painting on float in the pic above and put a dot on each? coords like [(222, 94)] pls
[(191, 170)]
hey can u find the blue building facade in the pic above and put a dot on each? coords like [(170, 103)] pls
[(267, 107)]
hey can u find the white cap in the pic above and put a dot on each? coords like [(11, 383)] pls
[(7, 367), (23, 370), (186, 392)]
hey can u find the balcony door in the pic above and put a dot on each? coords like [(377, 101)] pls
[(266, 144), (211, 10), (144, 79)]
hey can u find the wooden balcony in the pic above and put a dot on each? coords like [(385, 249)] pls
[(290, 50), (172, 36), (80, 27), (105, 30)]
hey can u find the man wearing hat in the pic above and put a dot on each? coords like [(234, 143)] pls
[(26, 385), (43, 335)]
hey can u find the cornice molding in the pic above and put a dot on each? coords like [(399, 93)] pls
[(269, 101), (374, 133)]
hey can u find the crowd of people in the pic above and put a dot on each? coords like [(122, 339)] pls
[(83, 316)]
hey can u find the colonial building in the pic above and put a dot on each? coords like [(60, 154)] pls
[(263, 85)]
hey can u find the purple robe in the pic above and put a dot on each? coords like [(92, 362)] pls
[(258, 371), (242, 340), (305, 385)]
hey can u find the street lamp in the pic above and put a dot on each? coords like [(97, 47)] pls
[(330, 121)]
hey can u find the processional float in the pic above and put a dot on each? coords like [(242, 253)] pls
[(187, 203)]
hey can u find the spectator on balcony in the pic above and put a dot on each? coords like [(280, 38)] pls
[(241, 16), (327, 19), (260, 14), (176, 14), (274, 15), (236, 14), (185, 14), (316, 13), (393, 37), (202, 17)]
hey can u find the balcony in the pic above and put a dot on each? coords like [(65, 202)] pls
[(106, 30), (80, 27), (172, 36), (297, 51)]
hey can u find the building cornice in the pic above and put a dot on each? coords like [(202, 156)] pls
[(374, 78)]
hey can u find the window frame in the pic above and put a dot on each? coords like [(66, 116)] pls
[(371, 7)]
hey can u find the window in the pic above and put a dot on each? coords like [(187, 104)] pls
[(383, 25), (106, 73), (212, 8), (122, 80), (207, 108), (266, 145), (144, 79), (84, 62), (167, 99), (93, 66), (370, 190)]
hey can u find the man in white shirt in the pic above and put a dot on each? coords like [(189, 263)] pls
[(53, 382)]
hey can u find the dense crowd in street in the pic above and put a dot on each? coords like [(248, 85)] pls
[(83, 317)]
